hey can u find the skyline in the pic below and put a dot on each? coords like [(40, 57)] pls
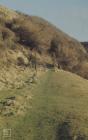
[(68, 15)]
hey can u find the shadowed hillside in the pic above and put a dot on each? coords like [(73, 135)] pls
[(85, 44)]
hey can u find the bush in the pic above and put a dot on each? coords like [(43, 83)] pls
[(7, 34), (22, 61)]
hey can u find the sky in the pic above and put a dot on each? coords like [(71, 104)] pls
[(71, 16)]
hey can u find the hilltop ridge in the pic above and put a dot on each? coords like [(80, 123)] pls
[(7, 13)]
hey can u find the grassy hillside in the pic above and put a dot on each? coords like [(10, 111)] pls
[(26, 40), (6, 13), (54, 108), (38, 99)]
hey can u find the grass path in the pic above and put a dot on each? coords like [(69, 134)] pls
[(58, 99), (38, 122)]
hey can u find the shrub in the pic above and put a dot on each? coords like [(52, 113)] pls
[(7, 34), (22, 61)]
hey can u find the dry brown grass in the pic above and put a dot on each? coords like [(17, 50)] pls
[(32, 37)]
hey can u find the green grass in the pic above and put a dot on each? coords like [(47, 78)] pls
[(59, 109)]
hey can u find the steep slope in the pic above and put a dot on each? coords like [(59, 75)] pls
[(29, 40), (55, 108)]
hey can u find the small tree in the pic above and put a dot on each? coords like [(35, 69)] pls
[(54, 51)]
